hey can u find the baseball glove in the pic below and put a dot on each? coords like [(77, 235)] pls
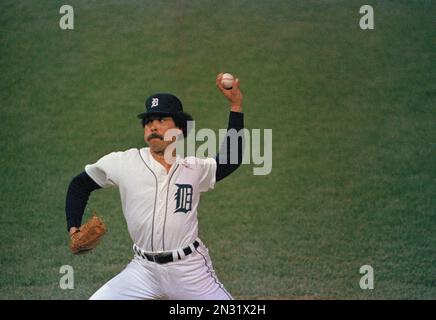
[(88, 236)]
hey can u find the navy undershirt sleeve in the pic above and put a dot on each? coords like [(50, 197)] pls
[(78, 193), (224, 157)]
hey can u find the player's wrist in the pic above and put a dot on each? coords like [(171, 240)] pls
[(236, 108), (73, 230)]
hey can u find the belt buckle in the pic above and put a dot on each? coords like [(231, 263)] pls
[(154, 256), (158, 257)]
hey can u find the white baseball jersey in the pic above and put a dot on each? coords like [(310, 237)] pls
[(160, 208)]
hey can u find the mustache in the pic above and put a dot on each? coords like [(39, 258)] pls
[(154, 135)]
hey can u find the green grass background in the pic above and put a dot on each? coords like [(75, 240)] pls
[(353, 120)]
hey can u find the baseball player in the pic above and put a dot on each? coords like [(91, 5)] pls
[(159, 202)]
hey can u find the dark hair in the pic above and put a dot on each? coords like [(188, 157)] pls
[(180, 119)]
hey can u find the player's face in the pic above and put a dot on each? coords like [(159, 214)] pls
[(154, 132)]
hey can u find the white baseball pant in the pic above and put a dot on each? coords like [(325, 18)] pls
[(191, 278)]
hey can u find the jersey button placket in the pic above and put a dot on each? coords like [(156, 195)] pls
[(160, 214)]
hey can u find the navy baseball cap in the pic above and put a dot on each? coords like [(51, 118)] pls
[(161, 104)]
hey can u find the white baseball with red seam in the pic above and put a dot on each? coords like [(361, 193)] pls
[(227, 80)]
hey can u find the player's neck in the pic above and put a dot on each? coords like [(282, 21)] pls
[(160, 157)]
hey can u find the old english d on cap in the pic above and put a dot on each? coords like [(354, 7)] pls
[(164, 104)]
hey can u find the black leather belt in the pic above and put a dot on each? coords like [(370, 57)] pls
[(164, 257)]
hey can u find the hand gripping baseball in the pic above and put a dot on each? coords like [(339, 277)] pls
[(234, 95), (88, 236)]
